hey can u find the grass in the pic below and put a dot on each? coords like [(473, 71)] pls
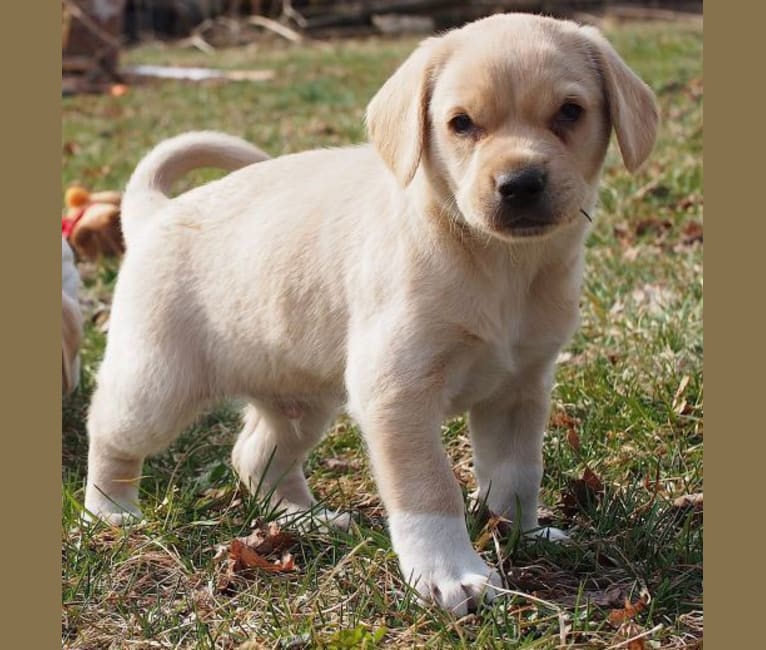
[(628, 405)]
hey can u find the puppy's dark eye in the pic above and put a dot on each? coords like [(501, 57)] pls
[(461, 124), (569, 112)]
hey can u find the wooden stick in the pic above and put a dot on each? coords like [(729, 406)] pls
[(277, 28)]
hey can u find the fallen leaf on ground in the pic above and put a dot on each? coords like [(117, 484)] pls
[(629, 630), (268, 540), (653, 226), (581, 492), (692, 233), (689, 201), (695, 88), (613, 596), (688, 507), (70, 148), (248, 554), (562, 420), (340, 464), (495, 524), (691, 501), (242, 556), (680, 393), (618, 616)]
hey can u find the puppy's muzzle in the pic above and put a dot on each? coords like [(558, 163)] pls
[(523, 205)]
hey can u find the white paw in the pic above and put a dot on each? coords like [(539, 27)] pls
[(437, 559), (462, 589), (305, 519), (111, 516), (116, 510), (548, 533)]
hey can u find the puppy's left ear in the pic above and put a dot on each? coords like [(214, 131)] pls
[(397, 116), (632, 105)]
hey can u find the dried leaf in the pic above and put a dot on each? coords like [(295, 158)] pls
[(243, 557), (581, 492), (654, 226), (628, 630), (573, 439), (689, 201), (695, 88), (613, 596), (340, 464), (273, 539), (630, 610), (592, 481), (562, 420), (70, 148), (637, 644), (248, 554), (679, 403), (689, 501), (495, 525), (692, 232)]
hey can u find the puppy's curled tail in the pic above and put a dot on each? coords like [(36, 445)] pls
[(148, 187)]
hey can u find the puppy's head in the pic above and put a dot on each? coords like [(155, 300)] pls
[(510, 118)]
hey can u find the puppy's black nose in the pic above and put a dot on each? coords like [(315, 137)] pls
[(522, 186)]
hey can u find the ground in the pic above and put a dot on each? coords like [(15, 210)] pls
[(625, 437)]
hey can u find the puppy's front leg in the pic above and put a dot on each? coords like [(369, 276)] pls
[(507, 436), (401, 424)]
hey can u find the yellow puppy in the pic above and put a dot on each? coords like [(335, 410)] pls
[(434, 272)]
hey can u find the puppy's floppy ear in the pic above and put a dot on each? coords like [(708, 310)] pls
[(397, 116), (632, 106)]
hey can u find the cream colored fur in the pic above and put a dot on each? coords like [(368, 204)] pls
[(383, 278)]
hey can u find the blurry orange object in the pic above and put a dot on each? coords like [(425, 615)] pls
[(76, 196), (118, 90)]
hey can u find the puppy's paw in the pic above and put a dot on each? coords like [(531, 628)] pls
[(331, 518), (437, 559), (111, 512), (548, 533), (307, 519), (462, 589), (112, 518)]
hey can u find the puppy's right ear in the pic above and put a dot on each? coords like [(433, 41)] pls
[(397, 116)]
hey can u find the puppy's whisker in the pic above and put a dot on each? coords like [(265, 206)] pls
[(587, 216)]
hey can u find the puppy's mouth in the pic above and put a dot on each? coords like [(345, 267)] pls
[(526, 224), (528, 227)]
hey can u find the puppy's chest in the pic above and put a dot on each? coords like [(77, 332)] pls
[(516, 340)]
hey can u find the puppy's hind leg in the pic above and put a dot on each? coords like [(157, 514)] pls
[(271, 449), (135, 412)]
